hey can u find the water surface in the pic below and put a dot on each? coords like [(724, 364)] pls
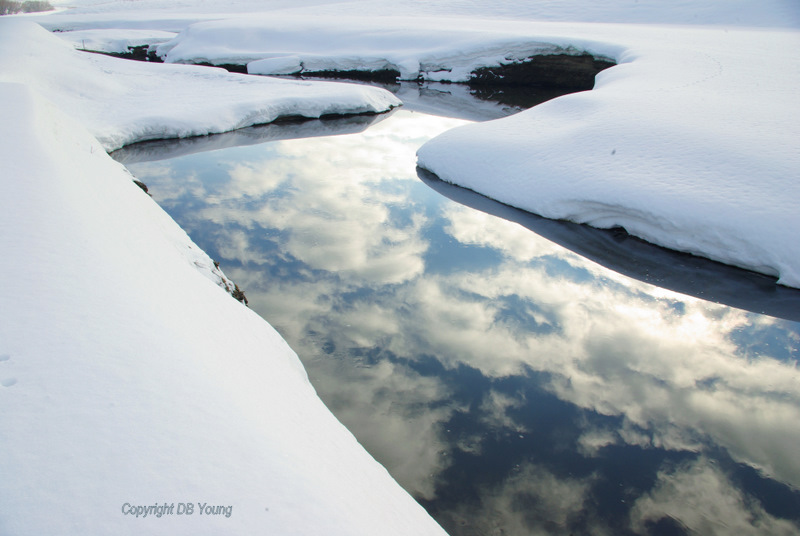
[(511, 385)]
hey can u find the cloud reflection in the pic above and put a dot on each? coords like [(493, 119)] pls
[(674, 372), (531, 501), (703, 500), (344, 223), (336, 248), (402, 427)]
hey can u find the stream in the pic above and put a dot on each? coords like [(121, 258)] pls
[(515, 375)]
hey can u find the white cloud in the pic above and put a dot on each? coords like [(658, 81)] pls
[(701, 498), (531, 501)]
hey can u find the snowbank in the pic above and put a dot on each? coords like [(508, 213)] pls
[(415, 48), (118, 41), (691, 143), (128, 378), (122, 102)]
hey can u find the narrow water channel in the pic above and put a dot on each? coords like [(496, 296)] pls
[(511, 385)]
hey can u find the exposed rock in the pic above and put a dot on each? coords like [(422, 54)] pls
[(553, 71)]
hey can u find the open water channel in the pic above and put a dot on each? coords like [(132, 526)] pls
[(511, 384)]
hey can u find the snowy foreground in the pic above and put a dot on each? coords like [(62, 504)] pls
[(129, 376)]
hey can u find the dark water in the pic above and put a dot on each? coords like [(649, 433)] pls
[(510, 384)]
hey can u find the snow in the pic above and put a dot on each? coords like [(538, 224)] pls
[(158, 14), (128, 375), (417, 48), (114, 40), (122, 102), (690, 143)]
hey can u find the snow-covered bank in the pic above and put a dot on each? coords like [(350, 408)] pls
[(414, 48), (691, 144), (115, 41), (128, 377), (122, 102)]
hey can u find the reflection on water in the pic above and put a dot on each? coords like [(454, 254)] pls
[(641, 260), (511, 385)]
